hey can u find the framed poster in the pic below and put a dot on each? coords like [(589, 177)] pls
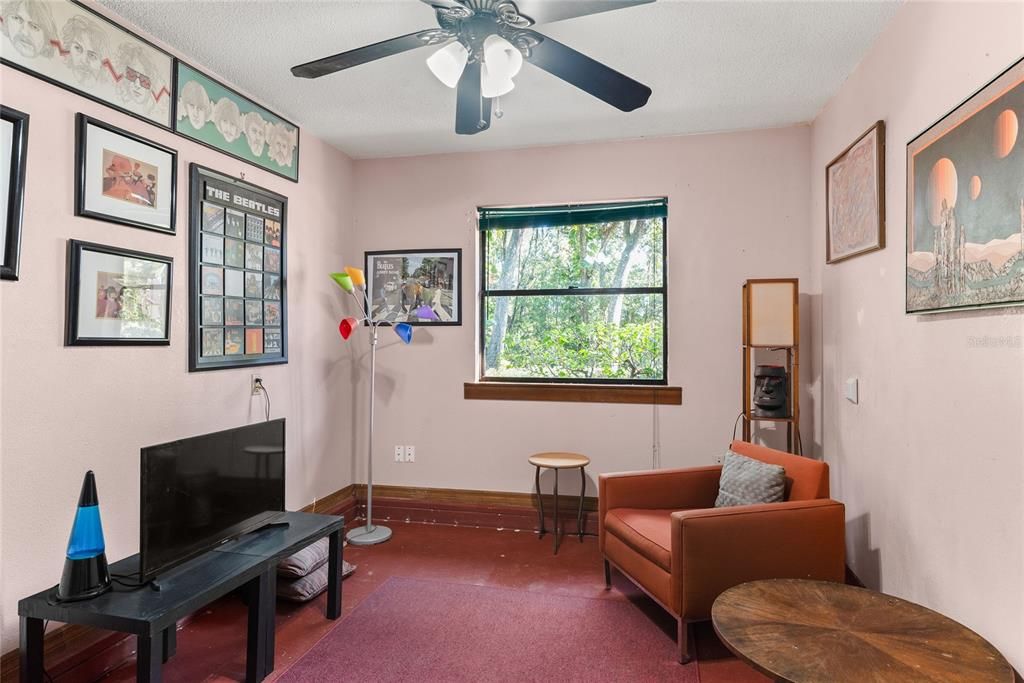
[(965, 203), (855, 197), (213, 114), (237, 295), (400, 283), (116, 296), (123, 178), (13, 151), (69, 45)]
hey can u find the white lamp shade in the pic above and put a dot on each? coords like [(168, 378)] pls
[(492, 85), (502, 58), (448, 62)]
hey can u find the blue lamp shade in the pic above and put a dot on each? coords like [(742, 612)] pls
[(85, 568), (404, 332)]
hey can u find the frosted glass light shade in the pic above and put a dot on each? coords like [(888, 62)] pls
[(502, 58), (448, 62), (492, 85), (772, 313)]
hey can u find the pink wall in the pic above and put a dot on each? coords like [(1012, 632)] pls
[(930, 464), (65, 410), (737, 209)]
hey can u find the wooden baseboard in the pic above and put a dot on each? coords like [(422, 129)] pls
[(333, 503)]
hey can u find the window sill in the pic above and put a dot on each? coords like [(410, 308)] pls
[(573, 393)]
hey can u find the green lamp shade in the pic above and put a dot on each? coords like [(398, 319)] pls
[(343, 280), (404, 332)]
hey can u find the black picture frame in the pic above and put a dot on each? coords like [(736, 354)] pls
[(72, 334), (169, 125), (197, 140), (11, 253), (209, 189), (456, 290), (82, 124)]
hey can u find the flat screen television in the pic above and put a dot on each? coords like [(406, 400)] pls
[(200, 492)]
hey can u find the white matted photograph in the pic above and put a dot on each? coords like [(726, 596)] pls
[(116, 296), (123, 178)]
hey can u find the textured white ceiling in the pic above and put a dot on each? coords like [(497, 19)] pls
[(713, 66)]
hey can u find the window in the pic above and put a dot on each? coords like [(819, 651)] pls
[(574, 293)]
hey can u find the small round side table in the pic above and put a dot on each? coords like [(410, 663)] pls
[(556, 462)]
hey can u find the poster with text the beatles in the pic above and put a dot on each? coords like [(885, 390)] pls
[(237, 293)]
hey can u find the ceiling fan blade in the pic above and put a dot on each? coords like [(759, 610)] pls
[(472, 109), (587, 74), (451, 5), (368, 53), (547, 11)]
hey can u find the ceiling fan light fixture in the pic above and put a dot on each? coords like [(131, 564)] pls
[(501, 57), (493, 85), (448, 62)]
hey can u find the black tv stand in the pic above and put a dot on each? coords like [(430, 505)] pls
[(248, 562), (269, 525)]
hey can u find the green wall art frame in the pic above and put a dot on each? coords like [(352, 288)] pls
[(214, 115)]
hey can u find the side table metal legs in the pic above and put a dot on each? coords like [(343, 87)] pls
[(540, 506)]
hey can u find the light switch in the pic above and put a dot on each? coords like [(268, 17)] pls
[(852, 391)]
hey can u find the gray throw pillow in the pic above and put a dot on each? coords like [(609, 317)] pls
[(303, 562), (310, 585), (746, 481)]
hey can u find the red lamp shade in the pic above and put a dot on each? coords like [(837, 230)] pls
[(346, 326)]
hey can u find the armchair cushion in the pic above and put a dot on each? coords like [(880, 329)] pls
[(746, 481), (647, 532)]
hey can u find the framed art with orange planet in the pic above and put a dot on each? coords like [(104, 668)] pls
[(855, 197), (965, 203)]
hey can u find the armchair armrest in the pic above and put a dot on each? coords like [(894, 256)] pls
[(718, 548), (677, 489)]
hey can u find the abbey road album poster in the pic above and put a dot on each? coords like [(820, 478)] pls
[(418, 287)]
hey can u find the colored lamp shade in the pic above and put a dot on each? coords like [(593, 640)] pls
[(343, 280), (425, 312), (404, 332), (85, 568), (358, 279), (346, 327)]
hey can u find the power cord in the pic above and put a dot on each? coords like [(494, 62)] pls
[(266, 395)]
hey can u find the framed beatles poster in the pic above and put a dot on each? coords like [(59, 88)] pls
[(214, 115), (415, 286), (69, 45), (237, 295), (13, 150)]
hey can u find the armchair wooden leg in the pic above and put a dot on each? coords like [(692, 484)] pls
[(684, 637), (607, 575)]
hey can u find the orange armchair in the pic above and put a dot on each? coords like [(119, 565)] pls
[(661, 530)]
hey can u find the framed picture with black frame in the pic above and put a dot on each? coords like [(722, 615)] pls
[(13, 154), (117, 296), (415, 286), (121, 177), (237, 273)]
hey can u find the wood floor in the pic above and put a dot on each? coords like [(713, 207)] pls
[(211, 646)]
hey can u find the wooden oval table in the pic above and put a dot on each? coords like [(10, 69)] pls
[(560, 461), (801, 631)]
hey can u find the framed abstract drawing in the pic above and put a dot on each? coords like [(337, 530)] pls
[(71, 46), (13, 148), (214, 115), (965, 203), (403, 284), (237, 295), (855, 197), (117, 296), (123, 178)]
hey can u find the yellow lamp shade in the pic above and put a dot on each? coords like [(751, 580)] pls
[(358, 279), (344, 280)]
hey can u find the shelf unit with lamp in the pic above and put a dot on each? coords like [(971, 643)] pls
[(771, 322)]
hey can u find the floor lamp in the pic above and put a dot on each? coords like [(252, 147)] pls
[(351, 281)]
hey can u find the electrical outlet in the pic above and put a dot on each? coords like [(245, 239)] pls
[(410, 454), (718, 459), (254, 384), (399, 453)]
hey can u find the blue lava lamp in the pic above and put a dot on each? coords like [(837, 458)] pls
[(85, 569)]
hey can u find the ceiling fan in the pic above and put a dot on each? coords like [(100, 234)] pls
[(486, 43)]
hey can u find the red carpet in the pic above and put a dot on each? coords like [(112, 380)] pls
[(419, 630)]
